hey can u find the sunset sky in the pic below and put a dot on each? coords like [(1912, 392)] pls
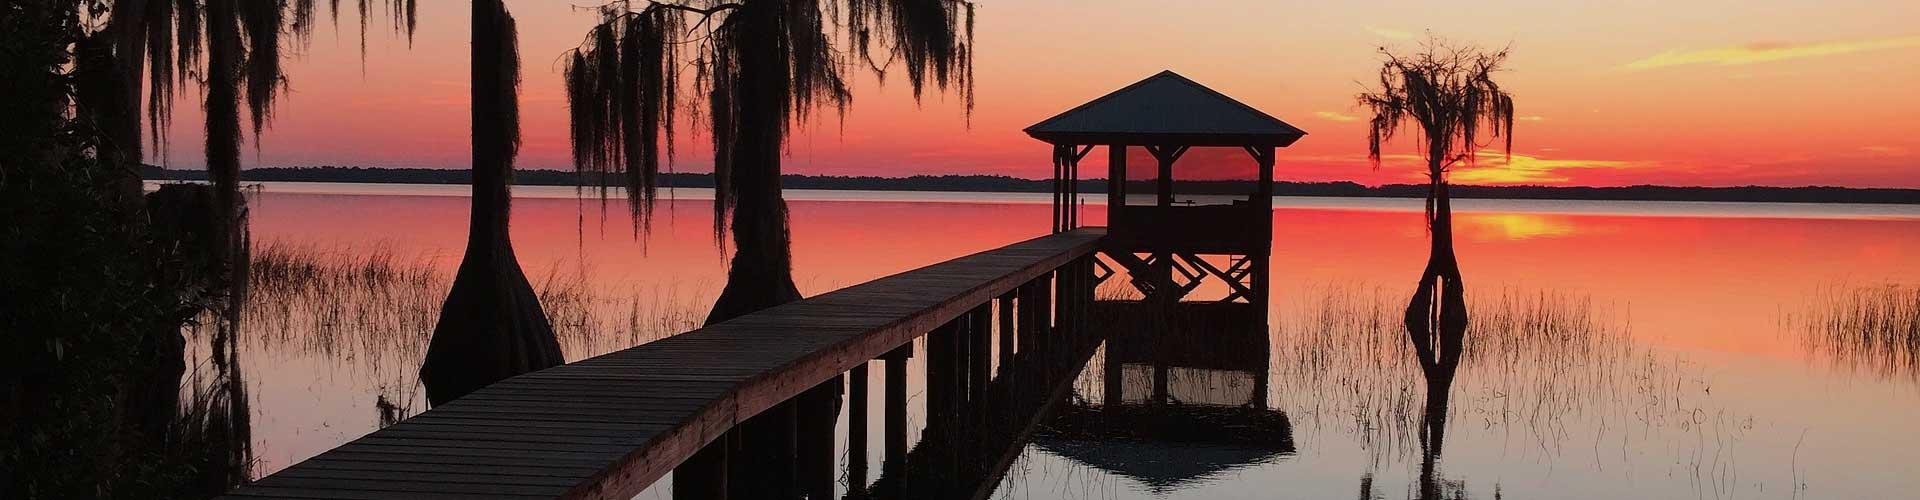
[(1609, 93)]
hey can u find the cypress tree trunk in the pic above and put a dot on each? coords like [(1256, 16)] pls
[(1438, 326), (492, 326), (761, 273), (1436, 318), (121, 119), (224, 56), (223, 101)]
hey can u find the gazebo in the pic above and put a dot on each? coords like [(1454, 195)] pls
[(1168, 114)]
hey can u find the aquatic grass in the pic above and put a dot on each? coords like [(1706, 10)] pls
[(591, 319), (1538, 367), (373, 310), (1870, 329)]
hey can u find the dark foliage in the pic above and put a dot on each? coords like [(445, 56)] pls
[(93, 298)]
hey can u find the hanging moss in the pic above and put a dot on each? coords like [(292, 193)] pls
[(1449, 92), (622, 84)]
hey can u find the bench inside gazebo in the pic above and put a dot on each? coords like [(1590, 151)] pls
[(1167, 115)]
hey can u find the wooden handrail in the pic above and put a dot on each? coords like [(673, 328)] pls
[(609, 426)]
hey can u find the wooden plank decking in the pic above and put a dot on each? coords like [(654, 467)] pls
[(609, 426)]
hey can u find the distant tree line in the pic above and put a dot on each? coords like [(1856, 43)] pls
[(1006, 184)]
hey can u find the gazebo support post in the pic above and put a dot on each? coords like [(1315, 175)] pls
[(1073, 190), (1264, 155), (1066, 191), (1116, 181), (1162, 262), (1059, 155)]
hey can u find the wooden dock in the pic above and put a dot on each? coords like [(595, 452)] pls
[(610, 426)]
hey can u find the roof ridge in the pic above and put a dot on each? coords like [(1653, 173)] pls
[(1165, 107), (1104, 97), (1222, 96)]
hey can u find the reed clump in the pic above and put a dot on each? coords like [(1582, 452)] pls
[(1872, 329), (1536, 365), (372, 310)]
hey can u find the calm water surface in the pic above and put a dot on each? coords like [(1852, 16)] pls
[(1625, 349)]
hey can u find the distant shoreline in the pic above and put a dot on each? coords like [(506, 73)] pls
[(1005, 184)]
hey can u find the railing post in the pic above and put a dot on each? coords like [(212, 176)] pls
[(1007, 332), (1091, 291), (980, 347), (764, 466), (704, 475), (941, 382), (1063, 293), (1043, 313), (1028, 304), (818, 410), (857, 381), (895, 424)]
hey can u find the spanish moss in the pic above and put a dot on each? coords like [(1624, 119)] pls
[(1449, 92), (623, 83), (167, 40)]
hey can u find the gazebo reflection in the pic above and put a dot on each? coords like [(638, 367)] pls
[(1183, 397)]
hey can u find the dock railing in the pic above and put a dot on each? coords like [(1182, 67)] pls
[(756, 394)]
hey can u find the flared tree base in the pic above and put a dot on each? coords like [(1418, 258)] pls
[(491, 328)]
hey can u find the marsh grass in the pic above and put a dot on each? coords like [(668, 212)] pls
[(373, 310), (1872, 330), (365, 304), (1541, 369)]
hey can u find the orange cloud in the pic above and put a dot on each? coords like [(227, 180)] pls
[(1338, 117), (1885, 150), (1767, 52), (1495, 168)]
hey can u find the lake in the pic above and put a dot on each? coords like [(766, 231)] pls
[(1619, 349)]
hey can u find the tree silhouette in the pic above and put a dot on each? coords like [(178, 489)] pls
[(154, 46), (491, 326), (763, 65), (1449, 92), (105, 366), (164, 42)]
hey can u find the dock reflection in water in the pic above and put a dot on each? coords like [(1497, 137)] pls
[(1194, 407), (1183, 397)]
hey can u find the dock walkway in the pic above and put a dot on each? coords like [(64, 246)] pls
[(609, 426)]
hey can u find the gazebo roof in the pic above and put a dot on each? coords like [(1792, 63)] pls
[(1166, 109)]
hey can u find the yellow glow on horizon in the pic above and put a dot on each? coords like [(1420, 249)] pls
[(1495, 168)]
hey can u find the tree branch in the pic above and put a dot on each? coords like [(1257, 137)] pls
[(709, 11)]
